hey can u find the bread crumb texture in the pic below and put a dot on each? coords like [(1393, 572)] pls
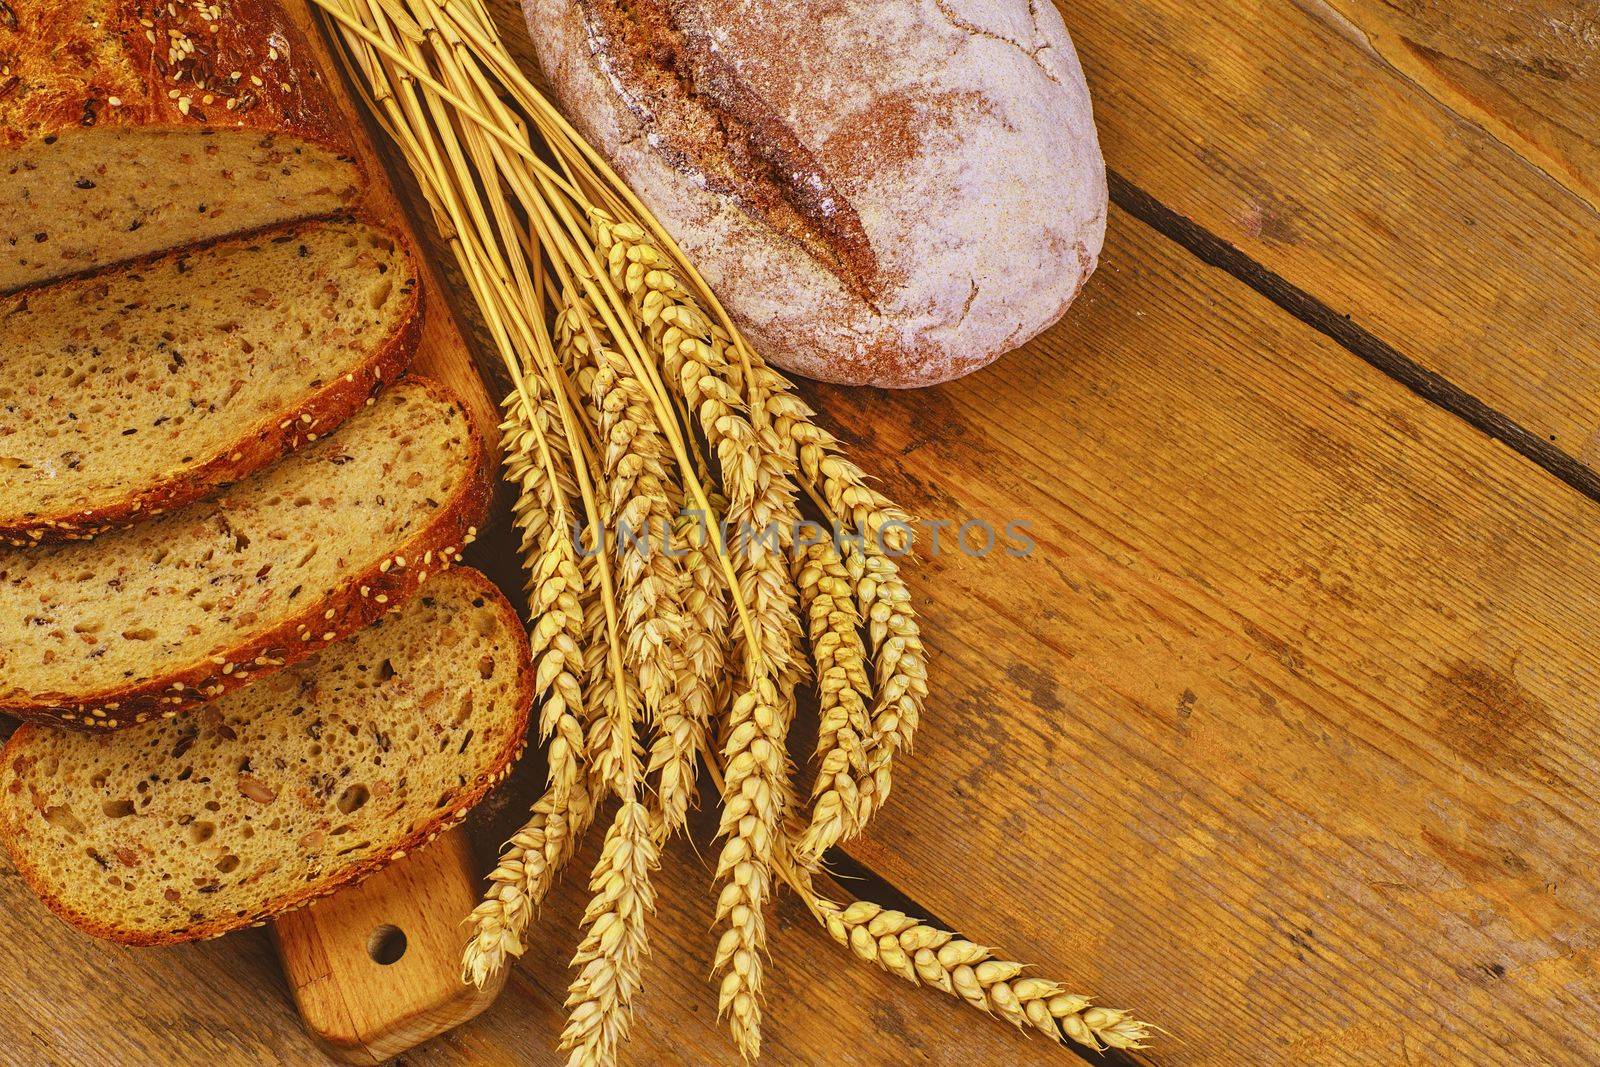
[(280, 792), (122, 389), (127, 127), (199, 600)]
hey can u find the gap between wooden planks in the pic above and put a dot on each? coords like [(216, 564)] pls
[(1285, 735), (1428, 173)]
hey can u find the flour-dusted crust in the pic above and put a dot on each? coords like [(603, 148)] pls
[(883, 192), (73, 65), (303, 419), (360, 598), (464, 798)]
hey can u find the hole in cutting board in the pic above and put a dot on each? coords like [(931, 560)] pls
[(386, 944)]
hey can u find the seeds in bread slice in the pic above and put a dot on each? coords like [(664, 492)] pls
[(151, 618), (146, 386), (127, 128), (281, 792)]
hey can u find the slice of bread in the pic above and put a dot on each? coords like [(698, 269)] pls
[(148, 619), (129, 128), (281, 792), (134, 391)]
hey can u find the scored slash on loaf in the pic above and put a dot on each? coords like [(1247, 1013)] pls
[(146, 386), (883, 192), (147, 620), (282, 792)]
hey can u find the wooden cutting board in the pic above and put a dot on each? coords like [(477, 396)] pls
[(375, 969)]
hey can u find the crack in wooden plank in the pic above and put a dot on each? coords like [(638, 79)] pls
[(1456, 102), (1431, 386)]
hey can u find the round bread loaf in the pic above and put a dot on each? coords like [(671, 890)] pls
[(883, 192)]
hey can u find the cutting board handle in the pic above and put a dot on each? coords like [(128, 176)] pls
[(376, 969)]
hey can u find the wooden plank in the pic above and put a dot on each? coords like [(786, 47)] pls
[(1285, 734), (1279, 128), (822, 1006), (1529, 73), (68, 999)]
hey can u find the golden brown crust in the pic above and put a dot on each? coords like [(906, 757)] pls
[(469, 796), (73, 65), (360, 600), (312, 416)]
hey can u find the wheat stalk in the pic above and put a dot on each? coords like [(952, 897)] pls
[(632, 395)]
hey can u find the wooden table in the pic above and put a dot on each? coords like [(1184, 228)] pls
[(1286, 735)]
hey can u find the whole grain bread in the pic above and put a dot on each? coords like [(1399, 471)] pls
[(143, 387), (131, 126), (883, 192), (149, 619), (281, 792)]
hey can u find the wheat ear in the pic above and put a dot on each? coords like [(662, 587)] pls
[(610, 959), (926, 955), (752, 814), (536, 459), (822, 466), (681, 337), (898, 655), (844, 785), (683, 735), (522, 879), (640, 489)]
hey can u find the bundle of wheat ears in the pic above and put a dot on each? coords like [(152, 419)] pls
[(697, 549)]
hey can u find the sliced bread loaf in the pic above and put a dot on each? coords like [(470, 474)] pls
[(279, 793), (153, 617), (146, 386), (127, 128)]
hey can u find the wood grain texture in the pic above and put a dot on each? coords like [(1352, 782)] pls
[(1281, 129), (1529, 73), (224, 1002), (363, 994), (1284, 734)]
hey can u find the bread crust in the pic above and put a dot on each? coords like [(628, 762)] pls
[(69, 59), (310, 417), (361, 599), (882, 192), (390, 853)]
